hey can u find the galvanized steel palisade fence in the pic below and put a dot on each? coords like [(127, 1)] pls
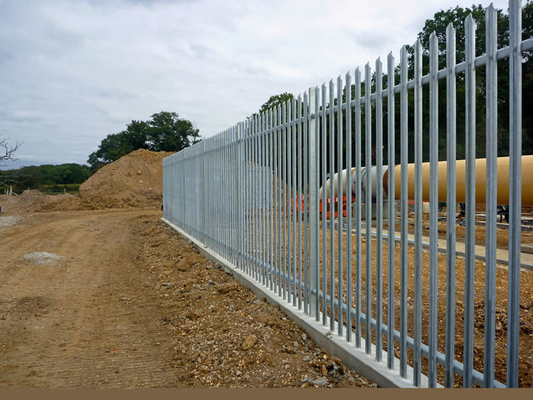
[(251, 194)]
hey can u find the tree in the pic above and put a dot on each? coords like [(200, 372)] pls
[(276, 100), (165, 131), (7, 151), (273, 101), (117, 145), (457, 16), (43, 176), (65, 174)]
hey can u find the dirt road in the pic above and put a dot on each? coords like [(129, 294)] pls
[(130, 305)]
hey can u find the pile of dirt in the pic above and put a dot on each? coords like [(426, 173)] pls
[(34, 201), (135, 180)]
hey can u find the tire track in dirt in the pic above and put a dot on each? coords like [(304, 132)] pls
[(81, 322)]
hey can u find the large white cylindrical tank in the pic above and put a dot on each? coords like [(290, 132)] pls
[(374, 182), (374, 178), (336, 184)]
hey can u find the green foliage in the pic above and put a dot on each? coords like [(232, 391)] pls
[(456, 17), (438, 24), (165, 131), (276, 100), (119, 144), (71, 188), (45, 176)]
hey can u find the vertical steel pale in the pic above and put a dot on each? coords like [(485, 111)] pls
[(368, 203), (404, 211), (451, 135), (470, 208), (325, 206), (285, 189), (340, 208), (299, 200), (515, 189), (392, 211), (349, 244), (491, 36), (358, 235), (314, 228), (417, 358), (379, 210), (305, 211), (332, 208), (433, 205)]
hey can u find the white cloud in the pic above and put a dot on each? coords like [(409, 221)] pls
[(74, 72)]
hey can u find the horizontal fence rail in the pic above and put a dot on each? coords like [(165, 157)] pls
[(304, 200)]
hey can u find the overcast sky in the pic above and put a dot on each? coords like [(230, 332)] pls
[(74, 71)]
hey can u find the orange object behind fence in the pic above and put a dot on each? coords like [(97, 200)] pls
[(336, 206), (300, 205)]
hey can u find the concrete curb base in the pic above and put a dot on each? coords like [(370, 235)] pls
[(361, 362)]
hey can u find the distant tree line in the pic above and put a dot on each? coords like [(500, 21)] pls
[(165, 131), (39, 177)]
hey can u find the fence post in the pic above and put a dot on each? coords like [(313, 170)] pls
[(240, 200), (515, 190), (204, 194), (313, 205)]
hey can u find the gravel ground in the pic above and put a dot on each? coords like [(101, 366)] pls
[(8, 221), (225, 335)]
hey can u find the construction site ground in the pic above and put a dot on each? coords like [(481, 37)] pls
[(116, 299), (96, 291)]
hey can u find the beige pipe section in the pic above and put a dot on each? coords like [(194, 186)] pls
[(481, 175)]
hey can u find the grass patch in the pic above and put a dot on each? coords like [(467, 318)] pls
[(70, 188)]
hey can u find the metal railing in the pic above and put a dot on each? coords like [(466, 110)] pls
[(253, 195)]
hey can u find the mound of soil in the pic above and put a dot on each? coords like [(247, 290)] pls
[(34, 201), (135, 180)]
